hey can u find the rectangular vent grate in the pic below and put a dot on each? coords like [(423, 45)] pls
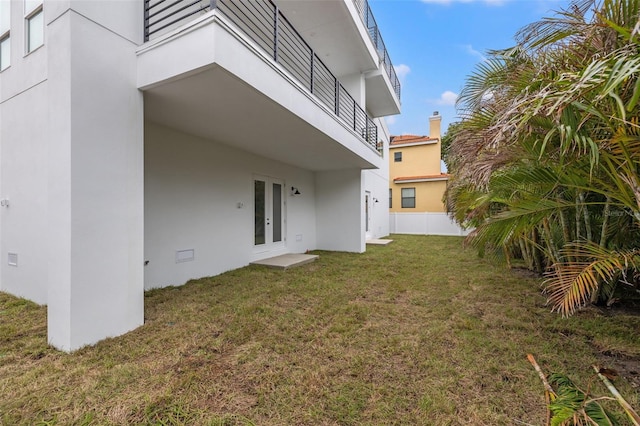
[(185, 255)]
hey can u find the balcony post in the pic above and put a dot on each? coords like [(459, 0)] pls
[(355, 121), (275, 31), (146, 20), (312, 67), (336, 84)]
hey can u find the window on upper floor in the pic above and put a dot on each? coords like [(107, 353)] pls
[(397, 157), (5, 41), (5, 53), (408, 198), (34, 18)]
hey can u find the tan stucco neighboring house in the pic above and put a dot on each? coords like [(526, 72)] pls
[(417, 183), (416, 180)]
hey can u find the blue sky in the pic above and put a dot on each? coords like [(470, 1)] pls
[(436, 44)]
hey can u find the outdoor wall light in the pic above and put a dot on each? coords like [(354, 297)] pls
[(295, 191), (375, 200)]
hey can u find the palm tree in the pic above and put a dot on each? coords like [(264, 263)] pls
[(546, 159)]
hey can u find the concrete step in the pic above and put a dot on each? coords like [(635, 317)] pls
[(287, 261), (379, 242)]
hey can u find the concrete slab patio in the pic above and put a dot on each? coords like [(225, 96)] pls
[(379, 242), (287, 261)]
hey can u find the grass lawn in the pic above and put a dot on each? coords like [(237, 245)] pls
[(416, 332)]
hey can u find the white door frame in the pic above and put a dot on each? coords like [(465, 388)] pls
[(269, 229), (368, 204)]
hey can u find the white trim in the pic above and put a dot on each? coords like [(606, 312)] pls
[(429, 142), (398, 182), (36, 5), (187, 28), (270, 246), (5, 37)]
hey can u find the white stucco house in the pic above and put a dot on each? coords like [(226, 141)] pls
[(145, 143)]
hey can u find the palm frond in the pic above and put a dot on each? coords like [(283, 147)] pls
[(584, 268), (572, 406)]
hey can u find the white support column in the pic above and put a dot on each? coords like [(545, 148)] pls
[(340, 224), (355, 85), (95, 184)]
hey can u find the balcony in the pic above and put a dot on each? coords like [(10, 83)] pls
[(374, 32), (379, 81), (346, 36), (268, 29)]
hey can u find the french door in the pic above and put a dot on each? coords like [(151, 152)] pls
[(269, 213), (367, 213)]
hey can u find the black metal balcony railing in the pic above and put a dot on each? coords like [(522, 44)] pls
[(374, 32), (262, 21)]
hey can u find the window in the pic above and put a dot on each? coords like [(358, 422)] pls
[(390, 197), (408, 198), (5, 53), (5, 41), (397, 157), (35, 24)]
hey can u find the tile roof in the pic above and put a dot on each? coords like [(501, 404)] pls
[(407, 139)]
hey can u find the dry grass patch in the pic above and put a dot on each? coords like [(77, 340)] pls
[(417, 332)]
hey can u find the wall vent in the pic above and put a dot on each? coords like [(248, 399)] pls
[(13, 259), (185, 255)]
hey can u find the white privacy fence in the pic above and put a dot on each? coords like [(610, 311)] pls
[(424, 224)]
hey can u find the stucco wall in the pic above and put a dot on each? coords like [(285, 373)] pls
[(193, 188), (23, 181), (122, 17), (377, 183), (340, 210), (71, 163), (428, 197), (71, 167), (418, 160), (95, 182)]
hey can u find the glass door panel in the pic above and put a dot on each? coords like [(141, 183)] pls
[(269, 213), (276, 216), (260, 210)]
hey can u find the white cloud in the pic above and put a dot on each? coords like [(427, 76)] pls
[(447, 2), (473, 52), (391, 120), (447, 98), (402, 70)]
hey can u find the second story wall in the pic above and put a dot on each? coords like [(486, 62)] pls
[(416, 181), (24, 41), (421, 159), (414, 155), (122, 17)]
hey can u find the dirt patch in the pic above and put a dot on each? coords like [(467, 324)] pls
[(524, 272), (627, 367), (622, 307)]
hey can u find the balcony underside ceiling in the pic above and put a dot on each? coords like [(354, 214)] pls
[(381, 100), (216, 105), (330, 30)]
